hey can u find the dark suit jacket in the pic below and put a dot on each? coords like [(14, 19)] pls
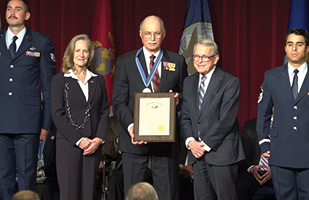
[(49, 168), (217, 119), (110, 148), (21, 77), (49, 155), (96, 125), (251, 145), (128, 81), (290, 129), (246, 184)]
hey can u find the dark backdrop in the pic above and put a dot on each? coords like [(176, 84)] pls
[(250, 34)]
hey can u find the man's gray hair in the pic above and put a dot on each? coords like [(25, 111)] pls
[(210, 43)]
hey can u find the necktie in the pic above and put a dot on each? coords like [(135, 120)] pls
[(12, 47), (202, 92), (200, 99), (295, 84), (156, 77), (264, 161)]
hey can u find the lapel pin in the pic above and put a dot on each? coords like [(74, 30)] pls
[(91, 81), (32, 48), (283, 73)]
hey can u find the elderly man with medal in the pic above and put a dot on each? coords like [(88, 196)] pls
[(149, 69)]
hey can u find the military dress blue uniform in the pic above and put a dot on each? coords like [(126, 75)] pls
[(23, 113), (289, 135)]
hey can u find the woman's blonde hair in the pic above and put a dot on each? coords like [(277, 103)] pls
[(68, 56)]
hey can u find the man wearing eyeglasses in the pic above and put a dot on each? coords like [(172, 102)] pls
[(149, 69), (209, 125)]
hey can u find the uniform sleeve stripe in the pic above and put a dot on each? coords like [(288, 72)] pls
[(264, 140)]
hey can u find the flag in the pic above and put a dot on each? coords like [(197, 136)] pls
[(197, 26), (298, 18), (104, 44)]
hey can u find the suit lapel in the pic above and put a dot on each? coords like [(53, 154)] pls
[(3, 48), (92, 85), (284, 82), (164, 73), (212, 87), (78, 91), (25, 44), (304, 90), (142, 60)]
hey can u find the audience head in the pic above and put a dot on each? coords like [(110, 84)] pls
[(26, 195), (68, 57), (142, 191)]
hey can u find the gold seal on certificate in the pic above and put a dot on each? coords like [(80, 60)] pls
[(154, 117), (161, 128)]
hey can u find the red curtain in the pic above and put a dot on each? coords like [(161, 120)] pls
[(250, 34)]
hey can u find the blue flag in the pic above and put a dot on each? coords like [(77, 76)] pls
[(298, 17), (197, 26)]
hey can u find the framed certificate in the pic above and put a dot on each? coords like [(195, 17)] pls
[(154, 117)]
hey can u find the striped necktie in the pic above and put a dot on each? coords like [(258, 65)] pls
[(156, 77), (200, 100), (201, 92), (264, 161)]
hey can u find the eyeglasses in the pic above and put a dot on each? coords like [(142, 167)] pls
[(155, 34), (204, 58)]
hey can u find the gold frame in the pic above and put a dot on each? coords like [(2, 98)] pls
[(141, 133)]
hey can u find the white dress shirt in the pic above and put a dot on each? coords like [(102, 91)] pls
[(9, 38), (302, 71)]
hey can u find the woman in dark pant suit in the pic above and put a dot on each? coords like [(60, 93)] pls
[(80, 112)]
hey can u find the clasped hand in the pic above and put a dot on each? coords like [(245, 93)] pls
[(261, 179), (89, 146), (196, 148)]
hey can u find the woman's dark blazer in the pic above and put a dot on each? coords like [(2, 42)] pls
[(67, 99)]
